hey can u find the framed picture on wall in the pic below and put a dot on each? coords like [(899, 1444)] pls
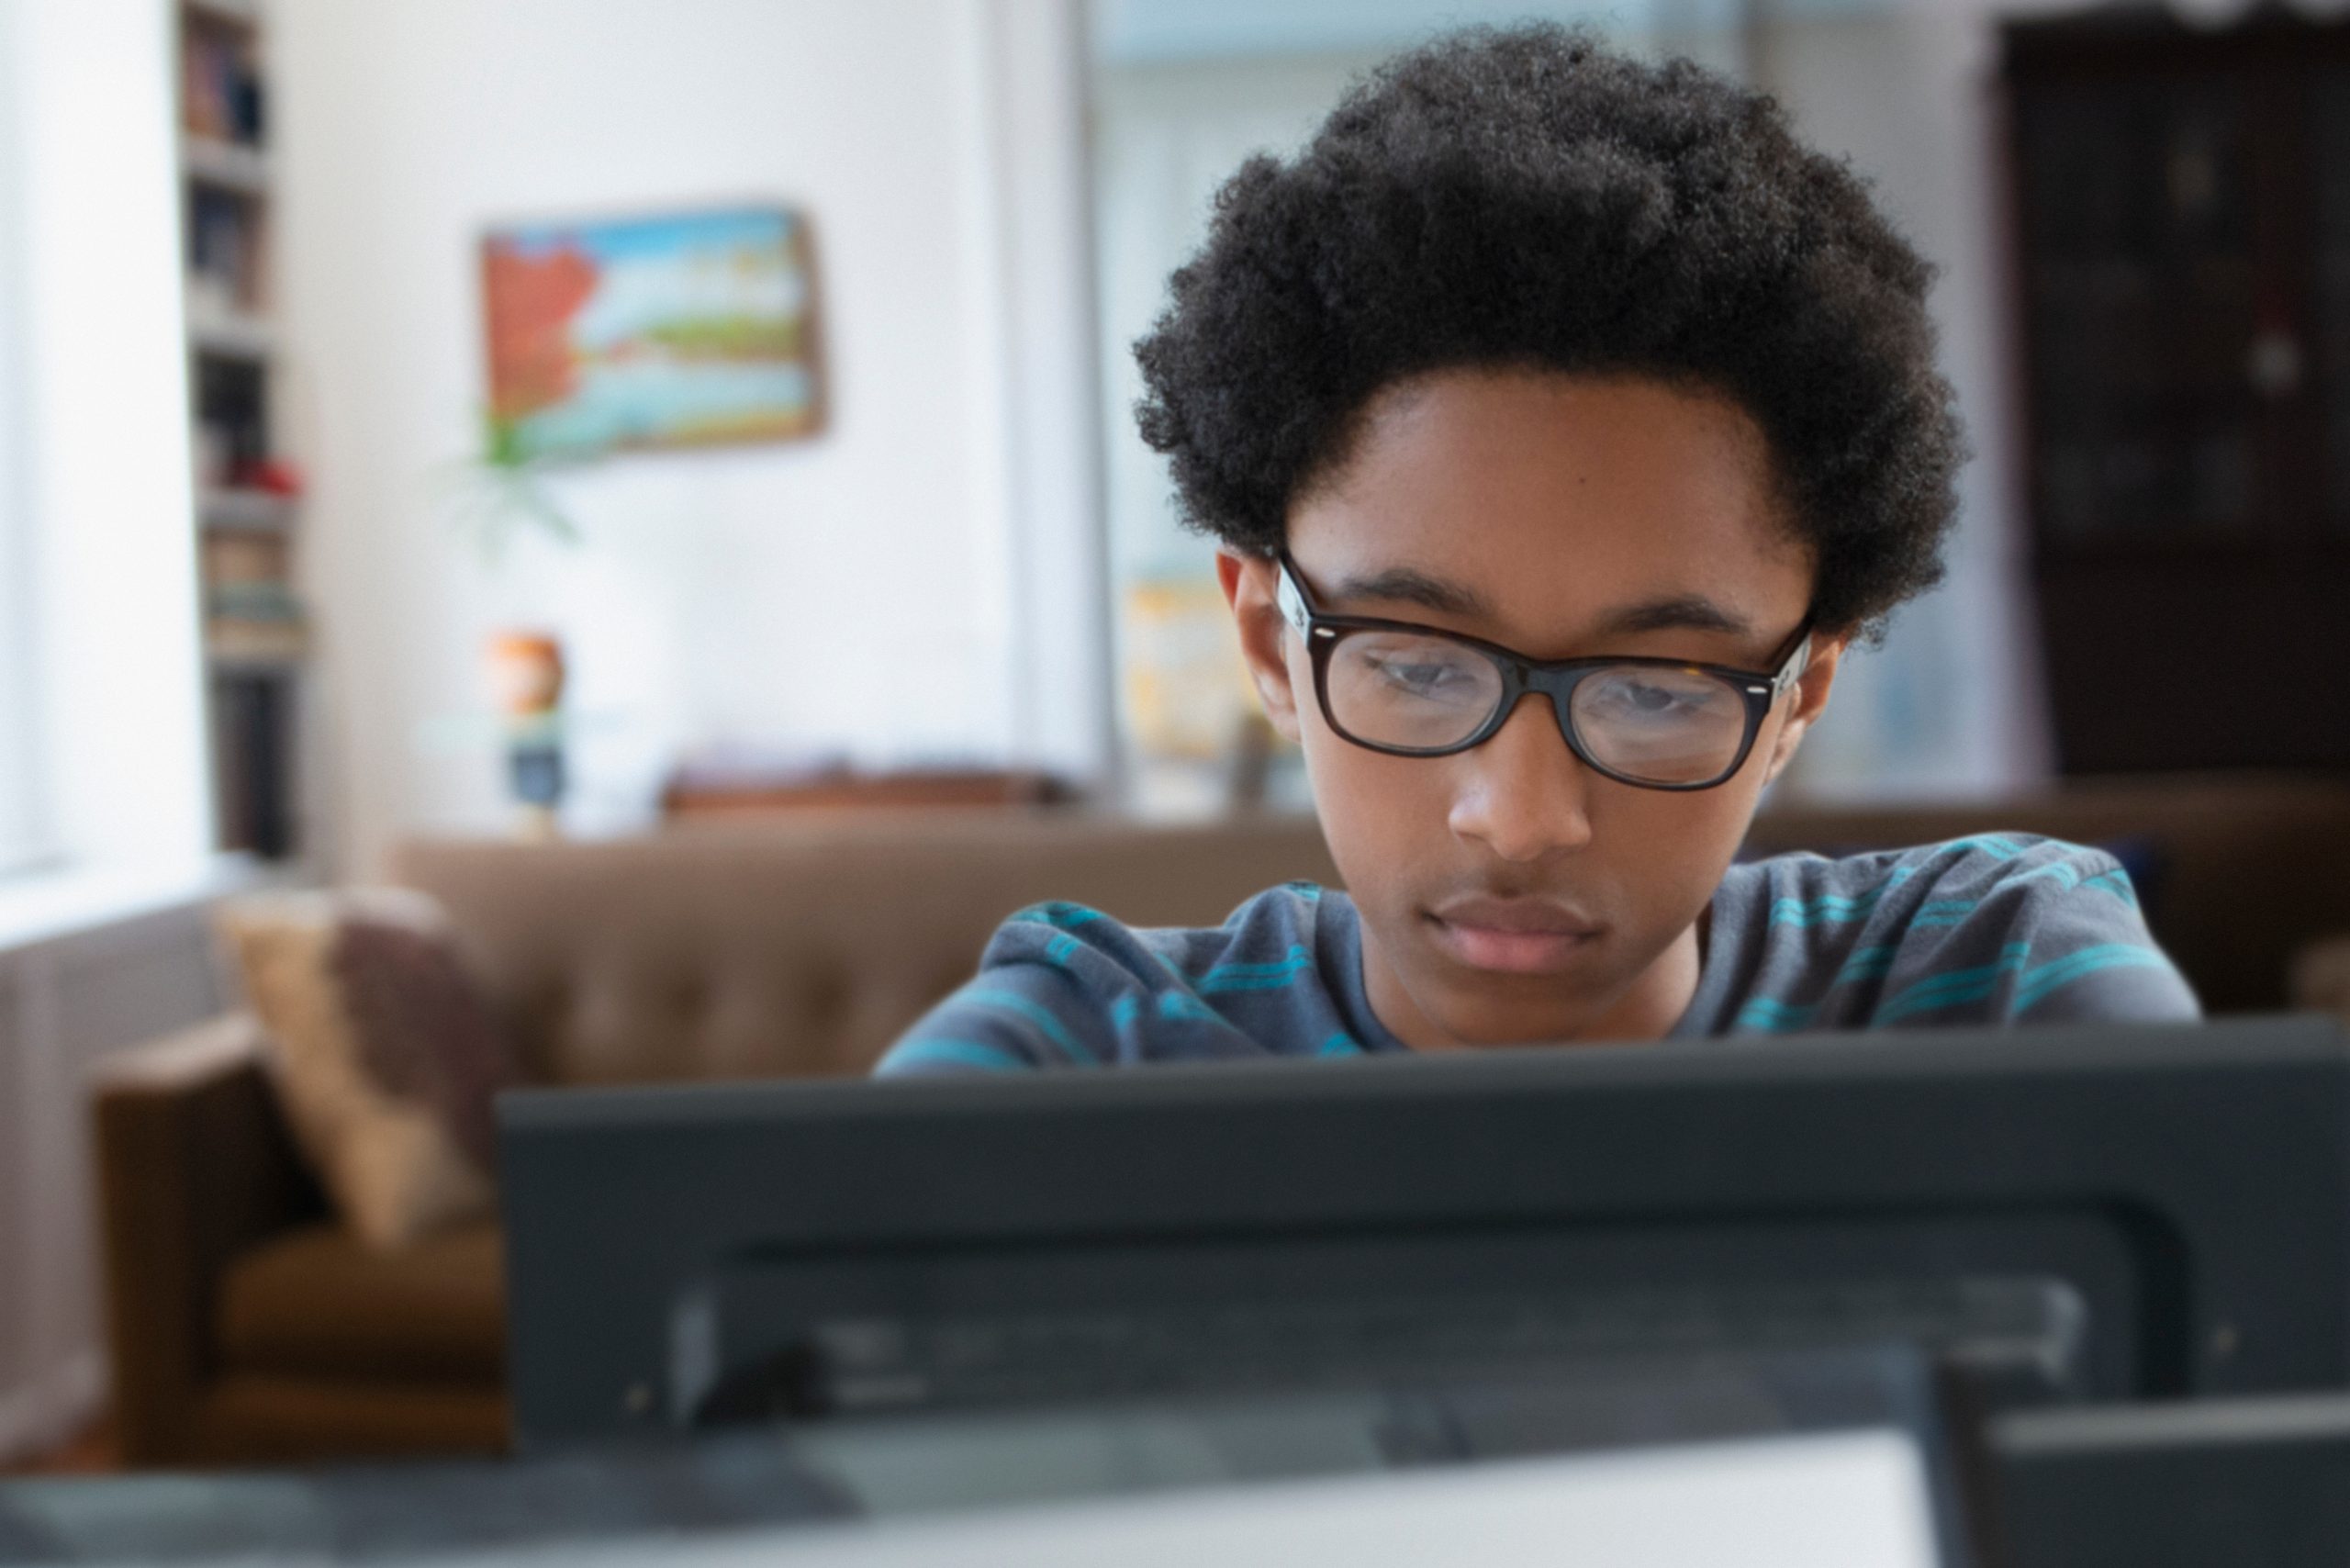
[(680, 331)]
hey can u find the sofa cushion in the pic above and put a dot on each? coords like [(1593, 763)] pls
[(317, 1301), (263, 1419)]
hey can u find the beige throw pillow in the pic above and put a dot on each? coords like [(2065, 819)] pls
[(384, 1052)]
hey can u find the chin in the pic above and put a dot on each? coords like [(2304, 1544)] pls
[(1478, 1022)]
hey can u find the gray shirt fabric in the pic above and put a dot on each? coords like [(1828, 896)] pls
[(1993, 929)]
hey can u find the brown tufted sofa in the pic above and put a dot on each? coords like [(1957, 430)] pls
[(246, 1324)]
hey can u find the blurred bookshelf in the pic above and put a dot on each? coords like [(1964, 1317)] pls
[(2181, 203), (256, 631)]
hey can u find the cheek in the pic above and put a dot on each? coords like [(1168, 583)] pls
[(1663, 854), (1666, 852), (1378, 812)]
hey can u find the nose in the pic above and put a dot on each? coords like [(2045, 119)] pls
[(1523, 794)]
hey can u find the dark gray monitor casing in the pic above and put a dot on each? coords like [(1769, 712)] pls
[(2193, 1181)]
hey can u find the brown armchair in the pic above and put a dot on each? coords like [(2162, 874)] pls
[(237, 1302)]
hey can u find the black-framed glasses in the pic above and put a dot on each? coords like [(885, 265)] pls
[(1412, 690)]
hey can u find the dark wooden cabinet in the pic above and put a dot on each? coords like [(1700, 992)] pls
[(2182, 216)]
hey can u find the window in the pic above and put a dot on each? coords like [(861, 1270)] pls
[(21, 838), (101, 726)]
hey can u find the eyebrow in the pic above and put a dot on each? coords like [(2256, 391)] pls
[(1404, 585), (1672, 612), (1679, 612)]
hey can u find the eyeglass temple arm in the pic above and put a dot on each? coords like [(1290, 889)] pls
[(1798, 661), (1291, 599)]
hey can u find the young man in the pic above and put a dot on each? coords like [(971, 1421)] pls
[(1563, 421)]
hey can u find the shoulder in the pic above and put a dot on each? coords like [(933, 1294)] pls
[(1994, 927), (1065, 984), (1831, 889), (1933, 885), (2060, 924)]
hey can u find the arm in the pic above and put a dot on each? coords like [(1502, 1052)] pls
[(194, 1165)]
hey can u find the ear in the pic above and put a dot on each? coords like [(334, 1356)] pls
[(1247, 582), (1810, 701)]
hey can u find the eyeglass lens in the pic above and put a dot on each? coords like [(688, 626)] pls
[(1645, 723)]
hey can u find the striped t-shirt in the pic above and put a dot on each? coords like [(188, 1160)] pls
[(1994, 929)]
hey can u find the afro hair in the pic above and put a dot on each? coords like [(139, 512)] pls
[(1525, 198)]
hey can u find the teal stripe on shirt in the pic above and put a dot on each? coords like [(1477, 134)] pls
[(1183, 1004), (1295, 957), (1831, 909), (2061, 872), (1957, 986), (935, 1052), (1775, 1017), (2040, 985), (1065, 916), (1866, 963), (1997, 849), (2116, 882), (1258, 977), (1041, 1018), (1781, 1017)]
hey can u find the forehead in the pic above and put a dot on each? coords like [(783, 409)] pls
[(1557, 499)]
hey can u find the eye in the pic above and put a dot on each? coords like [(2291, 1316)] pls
[(1423, 677), (1632, 697), (1652, 698)]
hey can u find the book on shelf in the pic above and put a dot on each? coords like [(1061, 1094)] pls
[(253, 718), (246, 586), (217, 327), (243, 507), (225, 168), (236, 638), (220, 87), (223, 255), (231, 430), (257, 603), (240, 558)]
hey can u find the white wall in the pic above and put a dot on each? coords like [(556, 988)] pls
[(863, 591)]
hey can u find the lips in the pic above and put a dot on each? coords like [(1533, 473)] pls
[(1512, 936)]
